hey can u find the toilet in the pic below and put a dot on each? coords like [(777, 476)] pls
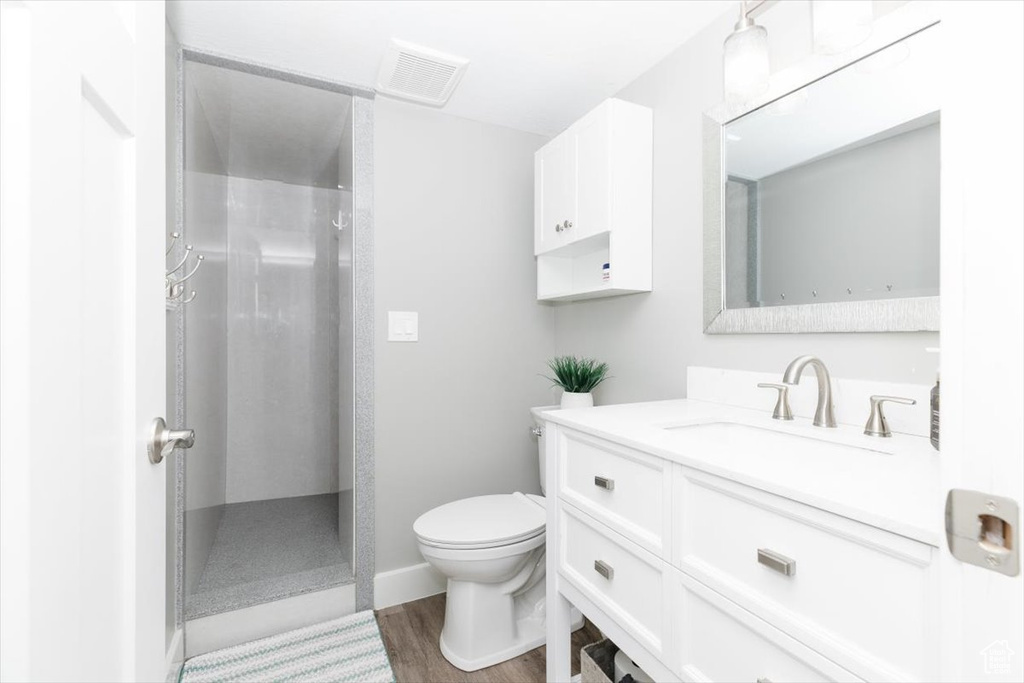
[(491, 549)]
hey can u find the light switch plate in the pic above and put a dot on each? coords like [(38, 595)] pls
[(403, 326)]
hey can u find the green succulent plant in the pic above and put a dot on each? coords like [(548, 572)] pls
[(577, 375)]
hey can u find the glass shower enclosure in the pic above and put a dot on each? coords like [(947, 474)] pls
[(265, 348)]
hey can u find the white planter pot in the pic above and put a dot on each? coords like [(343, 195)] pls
[(574, 400)]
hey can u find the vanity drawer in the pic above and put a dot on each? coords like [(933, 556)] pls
[(627, 490), (622, 579), (863, 597), (716, 640)]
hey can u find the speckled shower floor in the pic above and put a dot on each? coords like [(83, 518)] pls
[(272, 549)]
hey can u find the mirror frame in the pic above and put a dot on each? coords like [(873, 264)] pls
[(911, 314)]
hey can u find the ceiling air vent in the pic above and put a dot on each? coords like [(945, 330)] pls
[(419, 73)]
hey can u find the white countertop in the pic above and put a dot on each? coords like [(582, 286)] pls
[(893, 485)]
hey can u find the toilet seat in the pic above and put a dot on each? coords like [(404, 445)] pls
[(482, 522)]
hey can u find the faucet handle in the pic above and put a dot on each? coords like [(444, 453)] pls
[(782, 409), (877, 425)]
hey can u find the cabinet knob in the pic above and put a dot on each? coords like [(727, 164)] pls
[(558, 227), (566, 225)]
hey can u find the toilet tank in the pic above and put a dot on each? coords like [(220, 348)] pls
[(538, 422)]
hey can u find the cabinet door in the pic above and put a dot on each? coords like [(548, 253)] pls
[(714, 639), (593, 174), (554, 193)]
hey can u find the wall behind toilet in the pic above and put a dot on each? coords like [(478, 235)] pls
[(650, 339), (453, 242)]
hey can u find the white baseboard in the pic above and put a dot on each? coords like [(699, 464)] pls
[(407, 584), (217, 631)]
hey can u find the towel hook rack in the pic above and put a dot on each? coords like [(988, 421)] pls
[(174, 285)]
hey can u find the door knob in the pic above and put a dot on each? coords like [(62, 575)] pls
[(163, 440)]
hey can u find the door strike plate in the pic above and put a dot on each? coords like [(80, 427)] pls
[(982, 529)]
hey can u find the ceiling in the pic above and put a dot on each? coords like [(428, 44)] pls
[(534, 66)]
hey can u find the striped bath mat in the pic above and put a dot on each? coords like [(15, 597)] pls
[(346, 649)]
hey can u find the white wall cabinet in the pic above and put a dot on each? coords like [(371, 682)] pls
[(592, 205), (556, 183)]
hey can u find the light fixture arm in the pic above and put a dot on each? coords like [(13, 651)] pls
[(752, 9), (745, 21)]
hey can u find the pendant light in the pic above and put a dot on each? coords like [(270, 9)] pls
[(839, 25), (745, 59)]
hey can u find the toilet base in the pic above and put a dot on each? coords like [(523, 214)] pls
[(531, 634)]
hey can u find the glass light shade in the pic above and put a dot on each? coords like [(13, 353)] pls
[(840, 24), (745, 63)]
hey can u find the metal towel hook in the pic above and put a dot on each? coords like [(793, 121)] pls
[(199, 262), (170, 247), (174, 287), (175, 269)]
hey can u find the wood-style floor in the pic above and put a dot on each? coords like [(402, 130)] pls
[(411, 632)]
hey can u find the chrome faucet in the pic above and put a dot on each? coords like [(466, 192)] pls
[(824, 415)]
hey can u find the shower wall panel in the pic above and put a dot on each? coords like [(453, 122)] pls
[(346, 377), (205, 188), (282, 338), (346, 333)]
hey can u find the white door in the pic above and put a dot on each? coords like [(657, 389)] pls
[(82, 340), (592, 163), (982, 611), (554, 193)]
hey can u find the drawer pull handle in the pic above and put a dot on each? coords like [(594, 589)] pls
[(604, 483), (774, 560), (764, 680), (604, 569)]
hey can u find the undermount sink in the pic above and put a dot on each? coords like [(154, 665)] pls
[(735, 435)]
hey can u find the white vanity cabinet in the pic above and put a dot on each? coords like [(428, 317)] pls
[(700, 577), (592, 205)]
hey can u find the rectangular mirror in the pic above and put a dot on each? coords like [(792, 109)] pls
[(822, 206)]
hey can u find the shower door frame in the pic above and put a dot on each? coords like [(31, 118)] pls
[(362, 314)]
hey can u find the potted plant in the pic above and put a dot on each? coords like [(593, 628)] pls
[(577, 377)]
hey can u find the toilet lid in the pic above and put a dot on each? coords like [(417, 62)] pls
[(483, 521)]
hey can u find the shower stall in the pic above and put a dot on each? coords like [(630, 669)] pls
[(272, 348)]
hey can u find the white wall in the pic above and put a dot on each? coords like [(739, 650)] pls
[(650, 339), (453, 241)]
